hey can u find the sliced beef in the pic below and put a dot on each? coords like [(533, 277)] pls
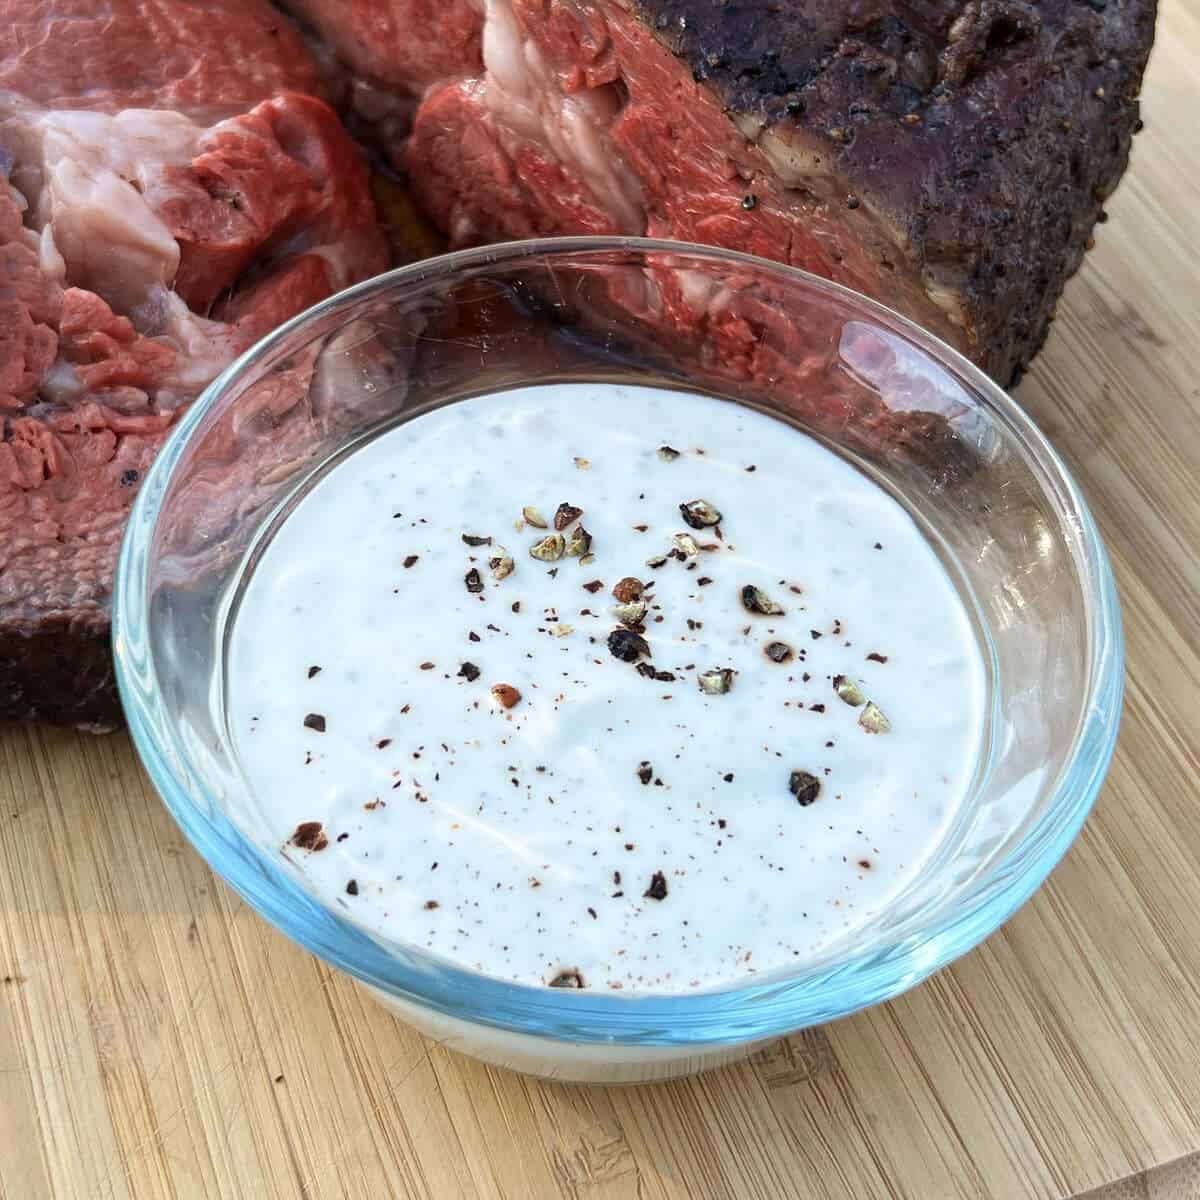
[(398, 45), (173, 185), (212, 56), (948, 158), (141, 249)]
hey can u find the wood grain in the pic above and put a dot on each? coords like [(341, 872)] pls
[(158, 1040)]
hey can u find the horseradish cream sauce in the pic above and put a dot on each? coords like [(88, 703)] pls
[(475, 747)]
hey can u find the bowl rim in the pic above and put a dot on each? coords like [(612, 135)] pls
[(744, 1012)]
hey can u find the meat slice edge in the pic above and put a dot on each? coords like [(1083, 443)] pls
[(256, 216), (949, 159)]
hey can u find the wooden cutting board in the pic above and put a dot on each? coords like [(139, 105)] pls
[(158, 1040)]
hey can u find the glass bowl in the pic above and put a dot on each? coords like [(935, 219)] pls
[(990, 494)]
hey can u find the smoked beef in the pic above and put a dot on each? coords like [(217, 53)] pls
[(947, 158), (173, 185)]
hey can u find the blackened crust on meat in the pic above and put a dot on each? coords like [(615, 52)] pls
[(986, 135), (60, 669)]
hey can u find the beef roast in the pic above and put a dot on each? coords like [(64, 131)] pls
[(948, 158), (171, 188), (173, 185)]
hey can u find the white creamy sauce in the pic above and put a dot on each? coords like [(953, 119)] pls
[(613, 823)]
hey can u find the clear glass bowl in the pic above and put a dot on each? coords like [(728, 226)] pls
[(991, 495)]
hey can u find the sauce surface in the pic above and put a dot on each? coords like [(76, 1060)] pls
[(485, 762)]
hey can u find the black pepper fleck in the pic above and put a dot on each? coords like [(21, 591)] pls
[(658, 887), (755, 600), (628, 590), (627, 645), (315, 722), (565, 514), (805, 786), (778, 652), (699, 514), (310, 835)]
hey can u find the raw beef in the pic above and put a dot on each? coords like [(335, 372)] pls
[(171, 188)]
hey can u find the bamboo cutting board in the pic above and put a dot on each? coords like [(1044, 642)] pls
[(158, 1040)]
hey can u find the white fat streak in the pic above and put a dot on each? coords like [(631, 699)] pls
[(101, 175), (50, 260), (526, 99), (205, 347)]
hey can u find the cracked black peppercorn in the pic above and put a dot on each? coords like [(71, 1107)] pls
[(658, 887), (805, 786), (627, 645)]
